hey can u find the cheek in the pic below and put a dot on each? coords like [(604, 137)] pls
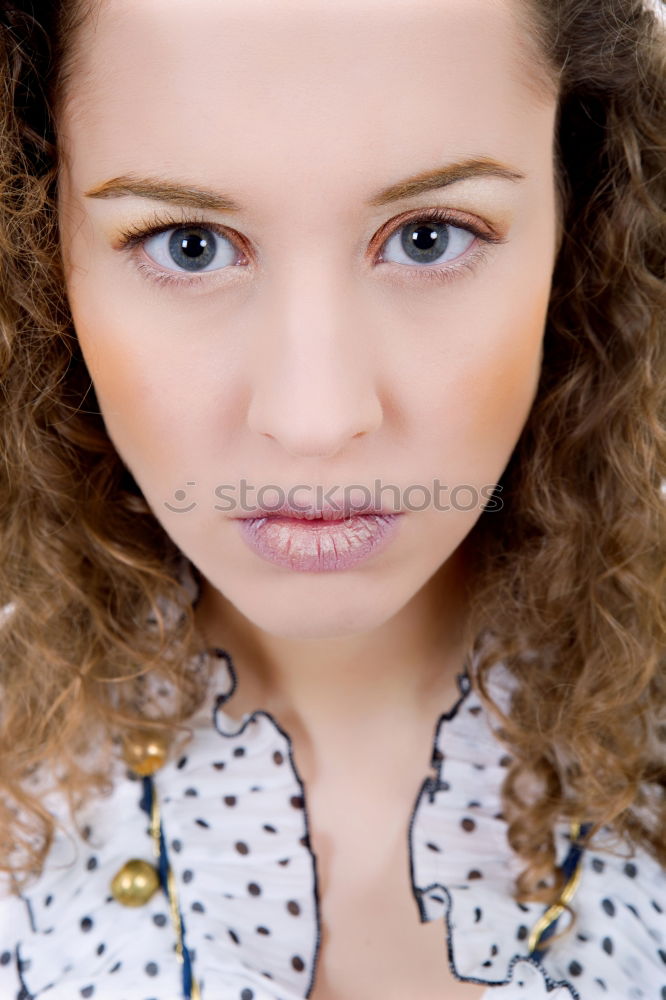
[(146, 397), (504, 387), (481, 390)]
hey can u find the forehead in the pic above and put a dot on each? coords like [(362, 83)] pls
[(300, 80)]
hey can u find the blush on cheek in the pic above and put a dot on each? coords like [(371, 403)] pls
[(117, 379), (127, 390), (505, 385)]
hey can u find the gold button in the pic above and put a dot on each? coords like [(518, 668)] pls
[(135, 883), (145, 753)]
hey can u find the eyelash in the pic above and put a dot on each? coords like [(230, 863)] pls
[(134, 236)]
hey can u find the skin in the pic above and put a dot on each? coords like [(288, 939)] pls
[(315, 364)]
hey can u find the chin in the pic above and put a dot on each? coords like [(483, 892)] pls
[(306, 613)]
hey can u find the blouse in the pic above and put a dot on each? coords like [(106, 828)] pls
[(235, 836)]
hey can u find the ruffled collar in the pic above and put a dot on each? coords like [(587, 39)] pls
[(462, 868), (235, 816)]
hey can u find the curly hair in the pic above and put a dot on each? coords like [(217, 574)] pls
[(568, 577)]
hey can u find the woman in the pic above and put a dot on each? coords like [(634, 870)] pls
[(333, 546)]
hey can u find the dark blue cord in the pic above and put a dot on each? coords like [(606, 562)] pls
[(146, 804), (568, 867)]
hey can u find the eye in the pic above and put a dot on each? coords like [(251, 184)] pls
[(183, 252), (193, 248), (427, 240)]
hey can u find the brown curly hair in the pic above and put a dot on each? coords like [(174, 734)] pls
[(572, 567)]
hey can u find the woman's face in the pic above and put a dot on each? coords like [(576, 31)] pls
[(301, 333)]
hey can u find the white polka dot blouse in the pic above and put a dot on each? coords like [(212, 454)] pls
[(235, 850)]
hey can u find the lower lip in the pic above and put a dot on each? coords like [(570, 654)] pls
[(318, 546)]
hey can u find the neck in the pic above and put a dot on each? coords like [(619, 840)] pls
[(404, 668)]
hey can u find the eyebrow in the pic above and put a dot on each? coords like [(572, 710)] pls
[(196, 197)]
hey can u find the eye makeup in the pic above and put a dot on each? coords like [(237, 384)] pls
[(132, 239)]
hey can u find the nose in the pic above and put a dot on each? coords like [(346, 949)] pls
[(314, 381)]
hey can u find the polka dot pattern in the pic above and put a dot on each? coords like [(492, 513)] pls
[(246, 877), (235, 818), (619, 944)]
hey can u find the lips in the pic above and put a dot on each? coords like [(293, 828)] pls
[(343, 511), (315, 545)]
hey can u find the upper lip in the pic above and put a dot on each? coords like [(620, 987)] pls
[(310, 512)]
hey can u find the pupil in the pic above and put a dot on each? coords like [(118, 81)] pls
[(425, 242), (192, 247), (424, 237)]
